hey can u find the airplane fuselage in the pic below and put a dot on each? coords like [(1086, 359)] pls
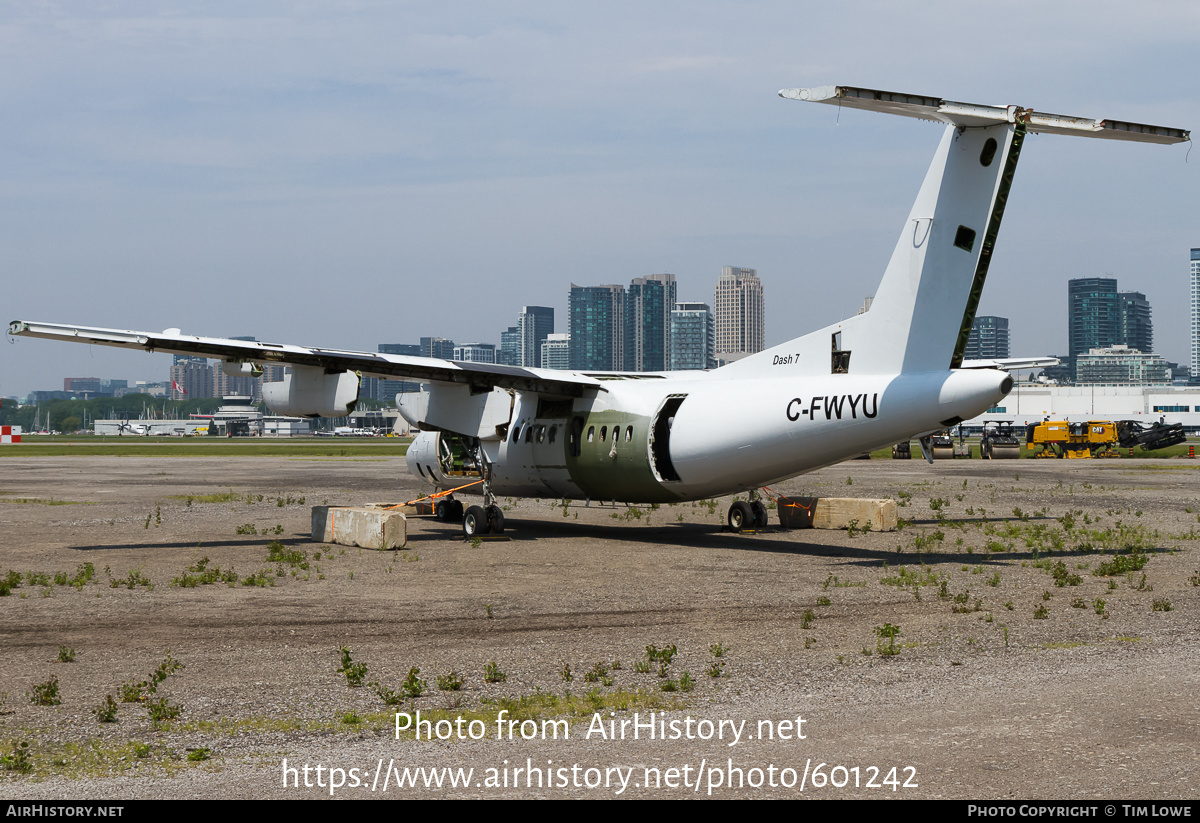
[(673, 439)]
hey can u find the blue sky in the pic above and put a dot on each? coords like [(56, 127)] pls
[(349, 173)]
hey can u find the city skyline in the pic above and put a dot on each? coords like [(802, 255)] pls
[(1127, 317), (233, 169), (1101, 316)]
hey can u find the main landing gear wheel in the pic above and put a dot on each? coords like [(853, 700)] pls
[(479, 520), (495, 519), (741, 517), (475, 522), (448, 511), (760, 514)]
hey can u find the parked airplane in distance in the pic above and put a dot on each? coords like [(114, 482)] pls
[(863, 383)]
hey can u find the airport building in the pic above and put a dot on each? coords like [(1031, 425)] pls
[(1033, 402), (1195, 284)]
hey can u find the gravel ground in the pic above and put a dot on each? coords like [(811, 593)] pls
[(1004, 685)]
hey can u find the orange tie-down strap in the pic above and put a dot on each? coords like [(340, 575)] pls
[(436, 495), (790, 502)]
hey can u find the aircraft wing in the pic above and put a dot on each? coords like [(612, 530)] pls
[(480, 376), (1010, 363)]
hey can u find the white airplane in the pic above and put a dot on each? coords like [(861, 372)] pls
[(864, 383), (133, 428)]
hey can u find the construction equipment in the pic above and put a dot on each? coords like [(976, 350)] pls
[(1158, 435), (941, 446), (999, 441), (1060, 438)]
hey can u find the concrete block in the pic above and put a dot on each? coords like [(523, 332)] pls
[(367, 528), (837, 513)]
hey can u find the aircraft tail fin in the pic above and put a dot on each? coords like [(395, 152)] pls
[(922, 314)]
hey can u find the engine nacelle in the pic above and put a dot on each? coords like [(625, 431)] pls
[(241, 368), (311, 392)]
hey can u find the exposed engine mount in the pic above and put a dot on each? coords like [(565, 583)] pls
[(310, 391)]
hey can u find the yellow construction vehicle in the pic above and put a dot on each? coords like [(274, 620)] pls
[(1060, 438)]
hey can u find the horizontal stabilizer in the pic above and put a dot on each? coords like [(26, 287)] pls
[(972, 115), (1010, 363)]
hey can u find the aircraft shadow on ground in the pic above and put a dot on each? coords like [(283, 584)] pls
[(193, 544)]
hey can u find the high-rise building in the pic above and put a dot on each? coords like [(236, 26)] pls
[(988, 340), (385, 391), (1137, 330), (1094, 318), (649, 304), (693, 342), (409, 349), (533, 325), (191, 377), (475, 353), (597, 322), (509, 353), (739, 313), (438, 347), (1100, 317), (1195, 313), (556, 352), (93, 386)]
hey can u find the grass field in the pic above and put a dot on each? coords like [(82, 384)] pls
[(310, 447)]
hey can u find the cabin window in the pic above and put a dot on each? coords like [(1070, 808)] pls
[(989, 152), (576, 436), (553, 432), (628, 433), (603, 433), (529, 434), (541, 433), (517, 433), (964, 238), (591, 433)]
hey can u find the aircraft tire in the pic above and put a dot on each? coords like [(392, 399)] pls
[(441, 511), (456, 511), (760, 514), (475, 522), (740, 517), (495, 519)]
